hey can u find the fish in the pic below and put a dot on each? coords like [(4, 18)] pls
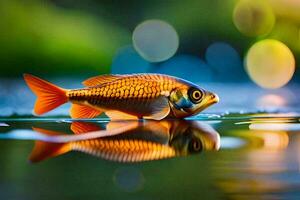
[(124, 97), (153, 140)]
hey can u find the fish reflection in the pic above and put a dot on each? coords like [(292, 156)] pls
[(150, 140)]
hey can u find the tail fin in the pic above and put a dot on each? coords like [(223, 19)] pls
[(49, 96), (43, 150)]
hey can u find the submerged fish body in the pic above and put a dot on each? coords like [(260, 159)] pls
[(137, 96), (151, 141)]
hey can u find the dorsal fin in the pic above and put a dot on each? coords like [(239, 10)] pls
[(97, 80)]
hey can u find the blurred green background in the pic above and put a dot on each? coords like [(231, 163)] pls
[(75, 38)]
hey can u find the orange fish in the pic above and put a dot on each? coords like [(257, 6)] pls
[(136, 96), (152, 140)]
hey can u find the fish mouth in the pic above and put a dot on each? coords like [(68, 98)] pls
[(212, 99)]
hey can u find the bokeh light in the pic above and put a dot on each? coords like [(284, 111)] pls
[(224, 59), (275, 126), (274, 140), (253, 17), (155, 40), (3, 124), (232, 142), (270, 63), (127, 61), (271, 102), (184, 66)]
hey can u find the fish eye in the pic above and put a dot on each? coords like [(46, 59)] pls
[(195, 95), (195, 145)]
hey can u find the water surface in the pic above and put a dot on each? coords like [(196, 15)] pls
[(257, 156), (244, 147)]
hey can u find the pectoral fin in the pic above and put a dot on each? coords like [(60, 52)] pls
[(159, 109), (159, 114), (84, 112)]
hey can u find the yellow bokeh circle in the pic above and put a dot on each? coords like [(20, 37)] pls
[(253, 17), (270, 63)]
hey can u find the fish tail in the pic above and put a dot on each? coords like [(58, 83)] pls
[(49, 96), (43, 150)]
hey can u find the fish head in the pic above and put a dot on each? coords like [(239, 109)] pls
[(195, 138), (190, 99)]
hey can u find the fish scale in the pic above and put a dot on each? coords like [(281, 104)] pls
[(135, 87), (115, 94)]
